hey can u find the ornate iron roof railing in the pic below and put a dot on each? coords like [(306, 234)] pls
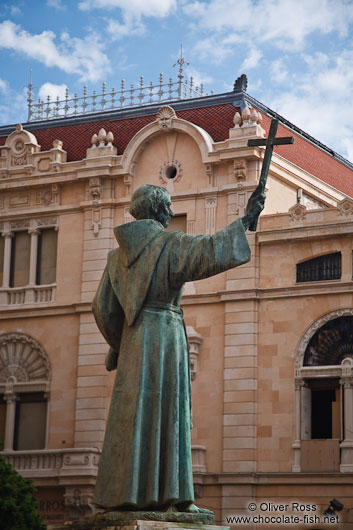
[(115, 99)]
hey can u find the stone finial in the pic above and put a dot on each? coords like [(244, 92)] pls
[(253, 117), (102, 144), (165, 116), (102, 136), (245, 114), (110, 139), (19, 127), (57, 144), (237, 120)]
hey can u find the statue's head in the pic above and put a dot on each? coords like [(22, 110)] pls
[(151, 202)]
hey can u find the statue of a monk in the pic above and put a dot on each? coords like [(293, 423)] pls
[(146, 458)]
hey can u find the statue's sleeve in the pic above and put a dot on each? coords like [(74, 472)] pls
[(197, 257), (109, 317)]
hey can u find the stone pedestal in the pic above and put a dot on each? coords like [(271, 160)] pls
[(145, 521)]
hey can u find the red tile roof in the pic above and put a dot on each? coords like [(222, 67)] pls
[(216, 120)]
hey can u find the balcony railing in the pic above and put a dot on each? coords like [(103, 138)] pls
[(72, 462), (38, 294)]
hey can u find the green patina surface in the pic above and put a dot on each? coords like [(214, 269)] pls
[(146, 457)]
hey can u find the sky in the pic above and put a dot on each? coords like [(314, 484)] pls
[(297, 54)]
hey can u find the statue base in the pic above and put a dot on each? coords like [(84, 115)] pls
[(144, 521)]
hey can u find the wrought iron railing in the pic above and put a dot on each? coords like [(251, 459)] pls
[(144, 94)]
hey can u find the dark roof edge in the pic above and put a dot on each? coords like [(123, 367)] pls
[(298, 131), (236, 98)]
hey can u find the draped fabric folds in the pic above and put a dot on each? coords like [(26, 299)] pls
[(146, 457)]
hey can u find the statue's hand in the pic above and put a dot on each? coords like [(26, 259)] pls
[(254, 207), (111, 360)]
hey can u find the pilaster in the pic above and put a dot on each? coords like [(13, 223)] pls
[(91, 394)]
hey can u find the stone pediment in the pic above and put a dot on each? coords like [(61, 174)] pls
[(21, 154), (19, 147)]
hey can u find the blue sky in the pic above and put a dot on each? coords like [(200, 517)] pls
[(297, 54)]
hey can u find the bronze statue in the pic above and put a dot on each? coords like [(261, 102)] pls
[(146, 458)]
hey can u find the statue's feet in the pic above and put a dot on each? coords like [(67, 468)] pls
[(192, 508)]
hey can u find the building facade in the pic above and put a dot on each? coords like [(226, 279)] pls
[(271, 342)]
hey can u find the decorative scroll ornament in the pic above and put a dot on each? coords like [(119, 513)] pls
[(165, 117), (22, 359)]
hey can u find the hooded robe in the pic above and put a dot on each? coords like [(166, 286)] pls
[(146, 456)]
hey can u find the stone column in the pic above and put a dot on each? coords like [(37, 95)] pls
[(347, 444), (7, 258), (33, 256), (297, 423), (10, 399)]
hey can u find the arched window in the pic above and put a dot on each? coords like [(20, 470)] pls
[(322, 268), (324, 396), (24, 386)]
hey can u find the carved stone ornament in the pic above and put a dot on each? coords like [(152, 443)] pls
[(165, 117), (345, 208), (297, 212), (313, 329), (22, 359), (48, 196), (240, 170), (170, 171), (95, 188), (48, 222)]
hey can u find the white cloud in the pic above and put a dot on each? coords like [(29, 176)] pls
[(54, 91), (3, 86), (15, 10), (309, 104), (138, 8), (285, 24), (128, 27), (279, 72), (84, 57), (252, 60), (13, 106), (132, 12), (56, 4)]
